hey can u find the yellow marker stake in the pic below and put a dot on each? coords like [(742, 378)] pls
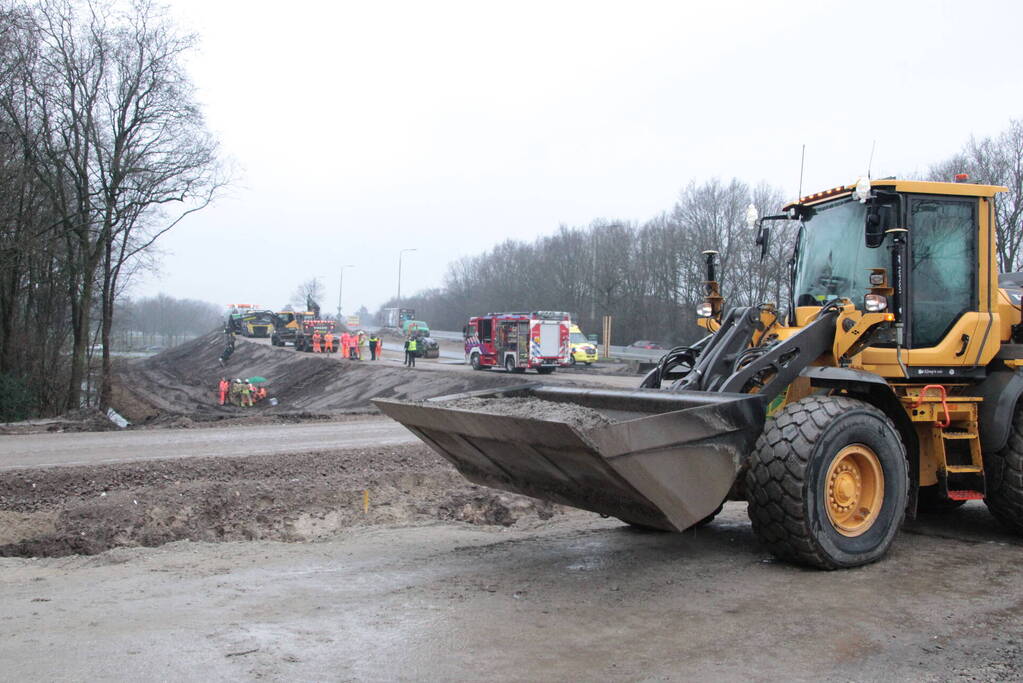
[(365, 501)]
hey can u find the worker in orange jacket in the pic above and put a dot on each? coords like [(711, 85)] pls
[(346, 340), (328, 342), (316, 341), (224, 386), (380, 349)]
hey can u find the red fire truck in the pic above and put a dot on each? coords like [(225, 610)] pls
[(518, 341)]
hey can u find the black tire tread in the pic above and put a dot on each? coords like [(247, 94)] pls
[(1004, 477), (776, 478)]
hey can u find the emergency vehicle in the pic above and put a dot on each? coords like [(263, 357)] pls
[(298, 328), (518, 341), (304, 336)]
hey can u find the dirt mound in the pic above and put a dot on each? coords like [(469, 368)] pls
[(178, 387), (86, 510), (575, 415)]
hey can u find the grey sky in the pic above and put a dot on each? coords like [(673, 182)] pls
[(360, 128)]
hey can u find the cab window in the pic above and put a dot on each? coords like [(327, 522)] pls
[(943, 238)]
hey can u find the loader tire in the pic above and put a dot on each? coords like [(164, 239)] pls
[(827, 483), (1003, 472)]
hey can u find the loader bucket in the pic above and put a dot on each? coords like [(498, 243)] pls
[(666, 461)]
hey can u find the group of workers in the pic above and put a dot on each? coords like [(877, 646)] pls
[(351, 345), (240, 392)]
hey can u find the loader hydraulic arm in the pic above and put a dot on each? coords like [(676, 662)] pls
[(729, 364)]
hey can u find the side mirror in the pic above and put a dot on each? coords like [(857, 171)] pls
[(879, 219)]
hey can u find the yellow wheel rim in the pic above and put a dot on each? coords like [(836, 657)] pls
[(854, 490)]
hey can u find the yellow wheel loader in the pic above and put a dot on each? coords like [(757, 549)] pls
[(891, 384)]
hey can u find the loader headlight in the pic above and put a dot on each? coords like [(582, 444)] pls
[(704, 310), (875, 303)]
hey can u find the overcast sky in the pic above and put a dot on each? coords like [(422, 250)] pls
[(361, 128)]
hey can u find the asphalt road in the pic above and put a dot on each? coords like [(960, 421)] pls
[(91, 448)]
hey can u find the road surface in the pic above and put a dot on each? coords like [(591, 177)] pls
[(92, 448)]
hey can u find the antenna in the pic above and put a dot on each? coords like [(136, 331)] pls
[(870, 163), (802, 162)]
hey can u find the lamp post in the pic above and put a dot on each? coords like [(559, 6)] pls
[(341, 288), (400, 254)]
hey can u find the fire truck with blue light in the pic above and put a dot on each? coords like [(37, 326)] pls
[(518, 341)]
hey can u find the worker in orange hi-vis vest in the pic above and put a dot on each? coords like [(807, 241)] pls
[(328, 342), (380, 349), (224, 386), (316, 342), (346, 340)]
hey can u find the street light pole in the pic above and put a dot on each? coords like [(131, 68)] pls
[(341, 288), (400, 254)]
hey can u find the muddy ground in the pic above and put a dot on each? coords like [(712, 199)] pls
[(571, 598), (531, 407), (67, 510)]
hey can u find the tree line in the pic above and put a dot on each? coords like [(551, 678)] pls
[(649, 276), (103, 149), (162, 320)]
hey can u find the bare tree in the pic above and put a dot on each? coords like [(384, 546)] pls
[(156, 163), (996, 160), (310, 291), (101, 107)]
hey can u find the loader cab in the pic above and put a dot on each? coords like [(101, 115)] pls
[(933, 242), (832, 260)]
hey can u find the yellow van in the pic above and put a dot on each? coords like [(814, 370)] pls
[(583, 350)]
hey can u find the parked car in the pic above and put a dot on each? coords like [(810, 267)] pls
[(645, 344)]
